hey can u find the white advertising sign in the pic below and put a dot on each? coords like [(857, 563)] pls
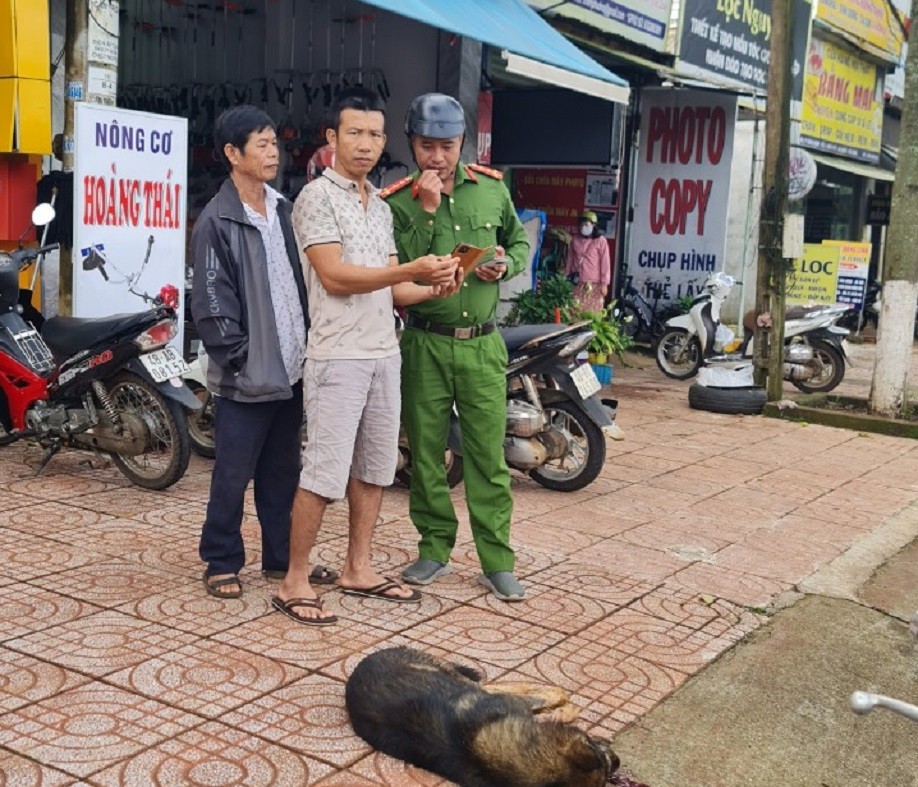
[(130, 187), (643, 21), (682, 190)]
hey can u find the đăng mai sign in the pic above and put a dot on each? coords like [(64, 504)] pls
[(682, 190)]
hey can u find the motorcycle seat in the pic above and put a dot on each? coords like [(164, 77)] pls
[(66, 336), (519, 335), (798, 312)]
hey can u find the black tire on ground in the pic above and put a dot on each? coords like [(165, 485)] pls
[(749, 400), (630, 321), (589, 439), (678, 354), (833, 369), (169, 447), (201, 423), (453, 470)]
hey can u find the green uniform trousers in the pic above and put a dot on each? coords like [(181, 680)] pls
[(436, 371)]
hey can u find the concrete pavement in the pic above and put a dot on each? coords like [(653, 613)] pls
[(116, 668)]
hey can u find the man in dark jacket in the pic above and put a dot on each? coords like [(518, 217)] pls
[(249, 305)]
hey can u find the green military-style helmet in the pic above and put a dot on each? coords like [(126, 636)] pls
[(435, 115)]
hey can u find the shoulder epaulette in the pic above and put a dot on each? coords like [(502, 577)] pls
[(389, 190), (491, 173)]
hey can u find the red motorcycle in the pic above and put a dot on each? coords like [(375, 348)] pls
[(106, 384)]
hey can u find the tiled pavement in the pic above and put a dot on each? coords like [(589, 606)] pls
[(116, 668)]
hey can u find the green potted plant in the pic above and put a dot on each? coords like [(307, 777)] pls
[(553, 295), (608, 339)]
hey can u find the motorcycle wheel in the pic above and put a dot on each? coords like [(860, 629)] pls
[(588, 450), (169, 450), (201, 423), (833, 369), (453, 469), (678, 354), (630, 321)]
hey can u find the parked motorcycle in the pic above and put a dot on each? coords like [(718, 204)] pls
[(556, 425), (106, 384), (642, 320), (814, 354)]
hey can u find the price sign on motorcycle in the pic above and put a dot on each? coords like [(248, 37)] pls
[(130, 177)]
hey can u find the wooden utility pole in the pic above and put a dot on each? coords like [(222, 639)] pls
[(75, 64), (889, 391), (770, 295)]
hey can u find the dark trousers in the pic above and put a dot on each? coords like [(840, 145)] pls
[(261, 441)]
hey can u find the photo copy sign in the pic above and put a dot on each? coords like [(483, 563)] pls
[(682, 191), (130, 172)]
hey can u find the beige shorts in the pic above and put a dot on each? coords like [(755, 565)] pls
[(352, 422)]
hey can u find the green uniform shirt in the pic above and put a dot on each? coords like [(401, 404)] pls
[(478, 212)]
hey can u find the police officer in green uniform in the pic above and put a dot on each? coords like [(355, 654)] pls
[(451, 349)]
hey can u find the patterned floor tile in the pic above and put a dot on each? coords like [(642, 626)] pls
[(309, 647), (124, 503), (29, 557), (214, 754), (207, 678), (528, 561), (378, 769), (557, 610), (743, 589), (184, 518), (26, 608), (390, 616), (783, 564), (672, 540), (639, 562), (115, 538), (548, 538), (63, 487), (483, 636), (16, 771), (631, 633), (177, 556), (109, 583), (601, 682), (24, 680), (309, 716), (714, 616), (90, 727), (102, 643), (603, 583), (188, 607)]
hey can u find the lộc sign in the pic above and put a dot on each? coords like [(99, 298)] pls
[(130, 173), (842, 103), (642, 21), (682, 190), (814, 277)]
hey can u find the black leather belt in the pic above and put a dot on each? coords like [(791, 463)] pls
[(471, 332)]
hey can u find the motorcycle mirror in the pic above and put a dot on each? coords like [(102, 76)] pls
[(43, 214)]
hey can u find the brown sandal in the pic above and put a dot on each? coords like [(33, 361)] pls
[(213, 586), (287, 607)]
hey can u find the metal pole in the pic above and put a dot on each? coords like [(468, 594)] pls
[(770, 293), (75, 87)]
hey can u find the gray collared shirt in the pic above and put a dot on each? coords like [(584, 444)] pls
[(288, 311), (330, 210)]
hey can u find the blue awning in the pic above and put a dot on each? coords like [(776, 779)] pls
[(531, 47)]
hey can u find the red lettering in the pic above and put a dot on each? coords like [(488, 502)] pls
[(88, 191)]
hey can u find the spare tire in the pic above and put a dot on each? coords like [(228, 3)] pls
[(748, 400)]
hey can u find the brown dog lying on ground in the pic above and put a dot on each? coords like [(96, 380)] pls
[(437, 716)]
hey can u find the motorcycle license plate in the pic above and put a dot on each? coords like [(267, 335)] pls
[(585, 379), (164, 364)]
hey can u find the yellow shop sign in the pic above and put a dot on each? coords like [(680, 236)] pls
[(842, 103), (867, 20)]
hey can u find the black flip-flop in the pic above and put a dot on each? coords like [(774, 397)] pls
[(213, 586), (287, 607), (380, 591), (320, 575)]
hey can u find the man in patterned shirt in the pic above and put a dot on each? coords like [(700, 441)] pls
[(352, 371), (249, 305)]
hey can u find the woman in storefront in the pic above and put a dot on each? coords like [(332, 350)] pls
[(588, 264)]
